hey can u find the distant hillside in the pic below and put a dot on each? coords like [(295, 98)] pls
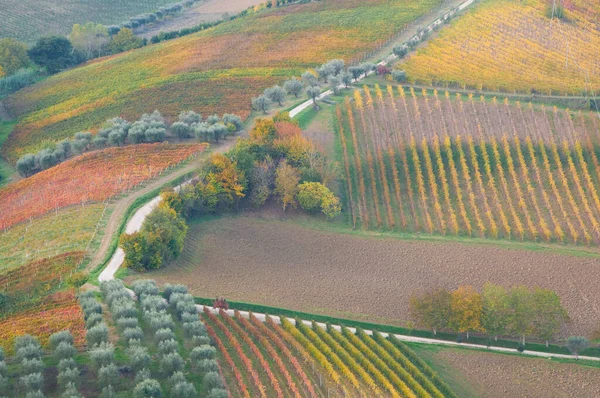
[(217, 70), (26, 20)]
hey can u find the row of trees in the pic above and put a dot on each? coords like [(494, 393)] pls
[(276, 161), (332, 74), (118, 131), (518, 312)]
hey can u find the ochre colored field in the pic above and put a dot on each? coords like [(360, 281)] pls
[(69, 230), (507, 45), (213, 71), (60, 311), (461, 168), (285, 357), (92, 177)]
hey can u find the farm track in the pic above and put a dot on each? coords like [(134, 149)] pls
[(121, 205)]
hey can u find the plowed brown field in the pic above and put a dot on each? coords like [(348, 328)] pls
[(283, 264)]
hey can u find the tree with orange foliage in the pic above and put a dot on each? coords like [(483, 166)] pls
[(467, 308), (230, 181)]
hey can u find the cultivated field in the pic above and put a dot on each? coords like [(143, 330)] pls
[(470, 168), (285, 265), (30, 19), (214, 71), (68, 230), (513, 46), (92, 177), (489, 375), (205, 11), (353, 364)]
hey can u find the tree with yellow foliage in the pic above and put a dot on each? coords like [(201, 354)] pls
[(286, 184), (466, 307)]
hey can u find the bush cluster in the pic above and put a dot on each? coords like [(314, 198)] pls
[(64, 352), (29, 352)]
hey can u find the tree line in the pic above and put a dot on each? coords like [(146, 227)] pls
[(516, 312), (118, 132), (275, 162)]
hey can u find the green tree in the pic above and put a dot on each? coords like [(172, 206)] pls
[(293, 86), (54, 53), (90, 39), (521, 301), (497, 311), (13, 56), (261, 103), (312, 92), (576, 344), (548, 314), (432, 309), (125, 40)]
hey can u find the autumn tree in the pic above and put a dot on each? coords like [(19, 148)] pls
[(264, 131), (125, 40), (13, 56), (90, 39), (496, 310), (548, 315), (431, 309), (467, 308), (286, 184), (230, 182)]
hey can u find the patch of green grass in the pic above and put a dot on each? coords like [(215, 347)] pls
[(6, 170)]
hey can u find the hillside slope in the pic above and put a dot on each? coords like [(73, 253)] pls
[(217, 70)]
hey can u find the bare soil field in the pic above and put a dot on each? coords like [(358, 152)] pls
[(492, 375), (283, 264), (206, 11)]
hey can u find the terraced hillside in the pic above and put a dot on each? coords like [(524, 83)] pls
[(505, 45), (213, 71)]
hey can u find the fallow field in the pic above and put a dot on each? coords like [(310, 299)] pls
[(327, 269), (214, 71), (514, 46), (470, 168)]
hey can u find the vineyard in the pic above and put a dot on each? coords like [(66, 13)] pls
[(28, 20), (69, 230), (214, 71), (59, 311), (271, 359), (460, 168), (514, 47), (92, 177)]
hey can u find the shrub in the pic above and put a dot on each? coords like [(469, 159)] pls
[(79, 279), (218, 393), (108, 374), (64, 350), (30, 351), (66, 363), (170, 289), (61, 339), (167, 346), (142, 375), (138, 356), (181, 130), (189, 317), (97, 334), (153, 302), (171, 362), (25, 340), (208, 365), (164, 334), (93, 320), (399, 76), (35, 394), (68, 375), (195, 328), (71, 391), (184, 390), (33, 381), (313, 196), (127, 323), (102, 355), (32, 366), (21, 78), (160, 321), (203, 352), (148, 388), (135, 333), (108, 392), (200, 340), (212, 380)]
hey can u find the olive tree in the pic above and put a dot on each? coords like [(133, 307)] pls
[(312, 92), (275, 94), (261, 103), (293, 86), (576, 344)]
